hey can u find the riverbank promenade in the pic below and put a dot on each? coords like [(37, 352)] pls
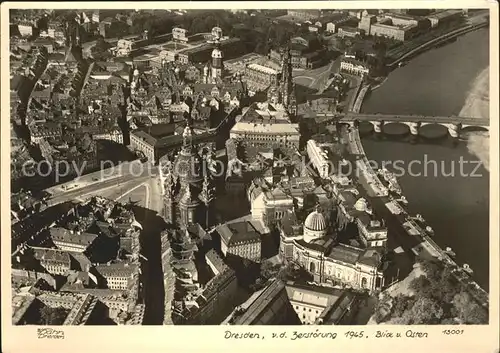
[(413, 238)]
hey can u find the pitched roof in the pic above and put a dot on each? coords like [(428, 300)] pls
[(121, 269), (144, 136), (344, 253), (238, 232), (371, 257), (56, 255), (67, 236), (213, 258), (312, 295)]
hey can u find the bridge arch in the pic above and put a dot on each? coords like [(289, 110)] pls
[(433, 130), (474, 128), (396, 128)]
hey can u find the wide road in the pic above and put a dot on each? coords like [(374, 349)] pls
[(101, 179), (95, 189)]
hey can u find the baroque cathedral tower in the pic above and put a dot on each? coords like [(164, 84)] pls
[(187, 184), (284, 91)]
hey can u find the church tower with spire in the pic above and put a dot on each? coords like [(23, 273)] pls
[(283, 92), (169, 189), (217, 64), (287, 87), (186, 185)]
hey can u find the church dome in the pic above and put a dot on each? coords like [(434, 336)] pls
[(315, 221), (314, 226)]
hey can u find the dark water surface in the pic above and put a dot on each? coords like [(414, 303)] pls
[(456, 207)]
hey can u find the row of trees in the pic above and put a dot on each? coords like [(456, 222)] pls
[(438, 298), (162, 22), (260, 32)]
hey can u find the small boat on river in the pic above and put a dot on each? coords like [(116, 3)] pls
[(467, 269), (449, 251)]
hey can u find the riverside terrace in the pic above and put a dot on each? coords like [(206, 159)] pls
[(454, 124)]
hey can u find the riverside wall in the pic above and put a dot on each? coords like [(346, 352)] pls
[(376, 189)]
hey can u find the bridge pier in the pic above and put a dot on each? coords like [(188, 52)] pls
[(351, 123), (454, 130), (414, 128), (378, 126)]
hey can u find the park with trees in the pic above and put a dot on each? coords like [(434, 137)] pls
[(435, 297)]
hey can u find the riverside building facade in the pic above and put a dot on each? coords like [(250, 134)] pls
[(319, 158)]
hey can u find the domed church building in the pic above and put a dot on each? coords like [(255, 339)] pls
[(314, 246)]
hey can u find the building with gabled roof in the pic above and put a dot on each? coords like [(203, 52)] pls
[(55, 261), (242, 239), (70, 240), (117, 276)]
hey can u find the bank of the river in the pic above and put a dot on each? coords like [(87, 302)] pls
[(477, 105), (438, 82)]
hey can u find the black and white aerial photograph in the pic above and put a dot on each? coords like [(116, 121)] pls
[(249, 167)]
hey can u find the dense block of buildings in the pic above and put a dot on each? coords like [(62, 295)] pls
[(55, 261), (160, 103), (77, 308), (96, 256)]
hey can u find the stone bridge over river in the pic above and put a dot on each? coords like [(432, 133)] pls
[(454, 124)]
